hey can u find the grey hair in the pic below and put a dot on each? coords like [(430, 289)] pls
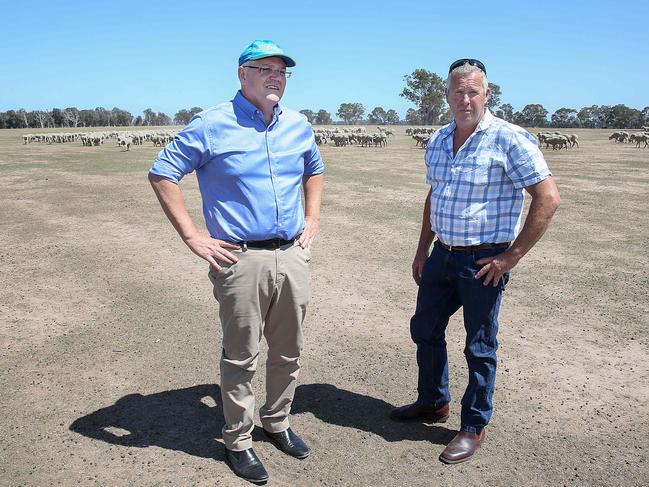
[(465, 69)]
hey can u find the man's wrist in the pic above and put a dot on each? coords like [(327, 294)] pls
[(189, 235), (515, 252)]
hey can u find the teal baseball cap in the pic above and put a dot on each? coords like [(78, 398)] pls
[(261, 49)]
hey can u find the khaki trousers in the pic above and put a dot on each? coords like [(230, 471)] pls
[(265, 293)]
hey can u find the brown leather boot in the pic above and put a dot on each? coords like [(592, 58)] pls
[(462, 447), (417, 411)]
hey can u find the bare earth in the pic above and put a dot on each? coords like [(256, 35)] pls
[(109, 338)]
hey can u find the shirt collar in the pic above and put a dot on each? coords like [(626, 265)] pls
[(483, 125), (251, 110), (485, 121)]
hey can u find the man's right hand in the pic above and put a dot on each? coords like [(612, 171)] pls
[(418, 266), (212, 250)]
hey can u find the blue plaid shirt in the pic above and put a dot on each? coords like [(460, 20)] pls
[(477, 196)]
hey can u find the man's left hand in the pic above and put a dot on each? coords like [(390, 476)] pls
[(308, 234), (494, 267)]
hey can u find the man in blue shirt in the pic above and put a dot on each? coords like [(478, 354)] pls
[(252, 156), (478, 167)]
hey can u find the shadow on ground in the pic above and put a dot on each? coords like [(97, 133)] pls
[(345, 408), (190, 419), (187, 420)]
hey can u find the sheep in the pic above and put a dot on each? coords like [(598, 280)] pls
[(638, 139), (421, 140), (380, 140), (557, 141), (125, 143), (340, 140), (573, 140), (619, 136)]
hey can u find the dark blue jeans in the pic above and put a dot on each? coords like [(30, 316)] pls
[(448, 283)]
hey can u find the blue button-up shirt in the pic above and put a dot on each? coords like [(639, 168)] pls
[(477, 195), (249, 175)]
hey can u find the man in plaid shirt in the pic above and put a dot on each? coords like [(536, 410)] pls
[(479, 168)]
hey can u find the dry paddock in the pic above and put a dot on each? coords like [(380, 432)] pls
[(109, 340)]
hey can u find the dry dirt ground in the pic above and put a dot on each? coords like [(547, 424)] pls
[(109, 339)]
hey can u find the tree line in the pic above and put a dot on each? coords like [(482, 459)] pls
[(99, 117), (425, 89)]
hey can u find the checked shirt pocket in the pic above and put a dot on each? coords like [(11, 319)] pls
[(475, 175)]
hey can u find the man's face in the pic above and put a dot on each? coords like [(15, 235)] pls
[(467, 98), (263, 89)]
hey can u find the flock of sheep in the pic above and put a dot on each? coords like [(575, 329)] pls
[(421, 135), (557, 140), (90, 139), (358, 136), (637, 138), (339, 137)]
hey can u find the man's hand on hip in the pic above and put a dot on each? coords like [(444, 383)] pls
[(212, 250), (311, 226), (494, 267)]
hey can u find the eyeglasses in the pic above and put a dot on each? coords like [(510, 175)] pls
[(268, 71), (472, 62)]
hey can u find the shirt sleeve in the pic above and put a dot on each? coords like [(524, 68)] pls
[(189, 150), (432, 155), (525, 162), (313, 163)]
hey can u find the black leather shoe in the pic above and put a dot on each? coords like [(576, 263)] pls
[(417, 411), (246, 465), (289, 443)]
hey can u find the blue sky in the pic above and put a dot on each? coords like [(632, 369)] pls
[(170, 55)]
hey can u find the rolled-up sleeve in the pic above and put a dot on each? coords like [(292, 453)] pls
[(525, 162), (189, 150)]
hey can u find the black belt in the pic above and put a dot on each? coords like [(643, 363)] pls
[(271, 243), (473, 248)]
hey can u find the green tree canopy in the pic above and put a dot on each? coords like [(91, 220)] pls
[(162, 119), (323, 117), (392, 117), (413, 117), (506, 112), (57, 116), (149, 117), (494, 99), (565, 117), (121, 117), (309, 114), (645, 116), (351, 113), (377, 115), (182, 117), (532, 115), (589, 117), (427, 91), (621, 116)]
